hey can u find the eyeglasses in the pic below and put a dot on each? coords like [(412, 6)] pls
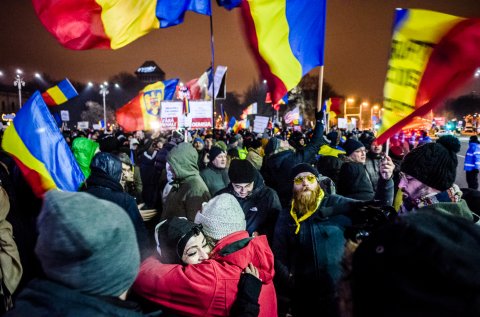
[(299, 179)]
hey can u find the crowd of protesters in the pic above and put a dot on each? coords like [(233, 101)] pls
[(216, 223)]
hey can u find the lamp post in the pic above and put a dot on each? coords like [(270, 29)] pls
[(19, 82), (360, 112), (374, 108), (104, 93)]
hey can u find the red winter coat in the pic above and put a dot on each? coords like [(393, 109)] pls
[(209, 288)]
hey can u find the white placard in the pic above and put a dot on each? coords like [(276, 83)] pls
[(260, 124), (64, 115), (342, 123), (200, 115), (82, 125)]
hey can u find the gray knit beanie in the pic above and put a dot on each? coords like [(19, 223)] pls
[(221, 216), (87, 244)]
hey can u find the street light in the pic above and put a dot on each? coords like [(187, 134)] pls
[(363, 104), (350, 101), (19, 82), (375, 107), (104, 93)]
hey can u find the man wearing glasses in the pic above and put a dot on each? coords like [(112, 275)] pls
[(309, 242), (428, 174)]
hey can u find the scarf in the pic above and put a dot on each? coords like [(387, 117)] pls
[(305, 216), (452, 194)]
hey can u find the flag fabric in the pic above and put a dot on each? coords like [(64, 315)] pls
[(40, 150), (326, 105), (287, 38), (60, 93), (222, 112), (335, 104), (268, 97), (198, 87), (111, 24), (144, 110), (249, 110), (292, 116), (229, 4), (433, 54), (232, 122), (217, 81)]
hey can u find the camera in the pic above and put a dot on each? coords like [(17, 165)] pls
[(367, 218)]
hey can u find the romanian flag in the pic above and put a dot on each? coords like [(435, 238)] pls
[(432, 55), (143, 110), (111, 24), (236, 125), (60, 93), (40, 150), (287, 39)]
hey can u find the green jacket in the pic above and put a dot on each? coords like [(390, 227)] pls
[(83, 150), (188, 188)]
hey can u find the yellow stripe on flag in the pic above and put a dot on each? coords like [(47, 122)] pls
[(57, 95), (272, 30), (14, 145), (125, 21)]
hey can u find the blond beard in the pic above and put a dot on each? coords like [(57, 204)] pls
[(305, 200)]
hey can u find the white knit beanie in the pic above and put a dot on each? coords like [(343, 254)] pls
[(221, 216)]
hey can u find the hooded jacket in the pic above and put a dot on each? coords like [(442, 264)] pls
[(188, 189), (104, 183), (210, 287), (83, 150)]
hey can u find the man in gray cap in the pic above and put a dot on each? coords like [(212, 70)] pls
[(88, 251)]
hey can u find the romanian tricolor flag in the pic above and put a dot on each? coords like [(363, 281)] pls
[(40, 150), (432, 55), (60, 93), (287, 38), (111, 24), (143, 110)]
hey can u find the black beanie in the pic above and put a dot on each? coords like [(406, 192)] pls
[(301, 168), (351, 145), (425, 262), (108, 143), (214, 152), (241, 172), (434, 163), (172, 236)]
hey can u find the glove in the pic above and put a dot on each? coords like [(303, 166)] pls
[(319, 115)]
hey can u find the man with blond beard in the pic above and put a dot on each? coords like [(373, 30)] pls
[(309, 241)]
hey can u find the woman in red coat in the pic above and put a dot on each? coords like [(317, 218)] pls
[(210, 287)]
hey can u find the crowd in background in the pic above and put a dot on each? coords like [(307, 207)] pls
[(216, 223)]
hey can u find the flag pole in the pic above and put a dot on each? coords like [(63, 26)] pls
[(319, 99), (212, 49)]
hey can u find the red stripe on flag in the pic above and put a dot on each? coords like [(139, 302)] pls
[(274, 83)]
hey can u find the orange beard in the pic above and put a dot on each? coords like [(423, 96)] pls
[(305, 200)]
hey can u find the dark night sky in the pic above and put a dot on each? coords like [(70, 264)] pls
[(358, 36)]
